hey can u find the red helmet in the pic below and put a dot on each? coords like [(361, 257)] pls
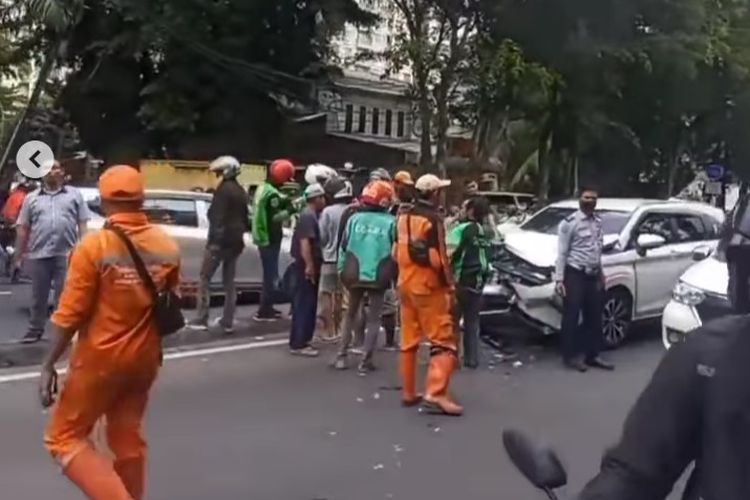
[(281, 171)]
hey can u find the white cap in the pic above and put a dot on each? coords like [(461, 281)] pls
[(313, 191), (430, 182)]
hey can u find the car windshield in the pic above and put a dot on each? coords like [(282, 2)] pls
[(548, 220)]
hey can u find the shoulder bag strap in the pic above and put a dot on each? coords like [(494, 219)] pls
[(140, 266)]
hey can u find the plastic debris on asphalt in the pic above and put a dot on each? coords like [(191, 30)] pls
[(376, 395), (333, 433), (360, 400), (398, 448), (517, 364), (378, 467), (260, 337)]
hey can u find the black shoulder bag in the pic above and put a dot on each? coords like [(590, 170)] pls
[(419, 250), (166, 307)]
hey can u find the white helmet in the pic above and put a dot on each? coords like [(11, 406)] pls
[(227, 166), (319, 174)]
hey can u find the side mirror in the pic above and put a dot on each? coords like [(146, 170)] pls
[(539, 464), (701, 253), (610, 242), (647, 241)]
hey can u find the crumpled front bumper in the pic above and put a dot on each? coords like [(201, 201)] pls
[(527, 292), (540, 305)]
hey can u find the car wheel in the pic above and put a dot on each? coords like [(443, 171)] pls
[(616, 317)]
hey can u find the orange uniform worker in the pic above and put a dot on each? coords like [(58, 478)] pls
[(118, 351), (426, 291)]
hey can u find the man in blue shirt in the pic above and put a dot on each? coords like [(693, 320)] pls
[(51, 221), (308, 258)]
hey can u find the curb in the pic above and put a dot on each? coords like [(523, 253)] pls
[(16, 354)]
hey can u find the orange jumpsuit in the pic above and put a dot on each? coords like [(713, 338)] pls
[(116, 357), (427, 295)]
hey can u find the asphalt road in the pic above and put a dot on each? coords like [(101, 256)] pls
[(16, 298), (258, 424)]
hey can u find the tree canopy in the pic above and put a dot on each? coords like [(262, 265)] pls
[(637, 93)]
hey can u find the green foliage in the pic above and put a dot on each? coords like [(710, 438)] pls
[(150, 76)]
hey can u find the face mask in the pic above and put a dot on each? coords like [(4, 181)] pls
[(587, 206)]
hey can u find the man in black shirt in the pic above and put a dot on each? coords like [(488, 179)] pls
[(308, 257), (227, 224)]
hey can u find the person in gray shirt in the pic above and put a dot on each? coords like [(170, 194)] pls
[(330, 301), (51, 221), (579, 280)]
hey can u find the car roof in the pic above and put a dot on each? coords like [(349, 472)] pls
[(489, 194), (633, 204), (90, 193)]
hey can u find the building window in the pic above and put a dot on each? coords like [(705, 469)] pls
[(362, 119), (375, 121), (400, 125), (388, 122), (349, 119)]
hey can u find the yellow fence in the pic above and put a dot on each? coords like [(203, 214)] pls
[(187, 175)]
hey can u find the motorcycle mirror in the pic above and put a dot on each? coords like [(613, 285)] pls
[(539, 464)]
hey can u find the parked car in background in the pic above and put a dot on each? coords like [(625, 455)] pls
[(648, 244), (699, 296), (184, 216)]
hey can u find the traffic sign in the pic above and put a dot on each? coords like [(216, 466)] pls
[(715, 171)]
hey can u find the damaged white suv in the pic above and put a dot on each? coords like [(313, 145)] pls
[(648, 244)]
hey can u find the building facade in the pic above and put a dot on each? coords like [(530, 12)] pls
[(367, 104)]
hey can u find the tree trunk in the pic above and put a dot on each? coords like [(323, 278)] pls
[(44, 71), (443, 123), (425, 115), (542, 192)]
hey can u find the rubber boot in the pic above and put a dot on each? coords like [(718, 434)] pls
[(408, 369), (96, 477), (132, 472), (437, 399)]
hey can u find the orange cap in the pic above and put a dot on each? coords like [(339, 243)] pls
[(378, 193), (121, 183), (403, 177)]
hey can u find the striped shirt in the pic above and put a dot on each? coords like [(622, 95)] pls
[(53, 218)]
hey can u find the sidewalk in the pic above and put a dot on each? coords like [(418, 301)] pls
[(15, 354)]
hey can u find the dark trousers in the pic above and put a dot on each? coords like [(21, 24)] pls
[(468, 305), (213, 257), (269, 258), (584, 296), (45, 273), (305, 307)]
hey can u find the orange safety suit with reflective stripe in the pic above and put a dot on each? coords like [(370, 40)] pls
[(427, 295), (13, 204), (117, 355)]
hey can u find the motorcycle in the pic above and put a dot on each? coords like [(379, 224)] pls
[(539, 464)]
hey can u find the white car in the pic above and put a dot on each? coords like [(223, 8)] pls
[(699, 296), (184, 216), (648, 244)]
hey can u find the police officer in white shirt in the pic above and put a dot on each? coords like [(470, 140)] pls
[(580, 282)]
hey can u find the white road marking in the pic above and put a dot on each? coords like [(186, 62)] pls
[(193, 353), (6, 292)]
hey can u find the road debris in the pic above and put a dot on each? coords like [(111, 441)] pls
[(517, 364), (378, 467), (360, 400), (376, 395)]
